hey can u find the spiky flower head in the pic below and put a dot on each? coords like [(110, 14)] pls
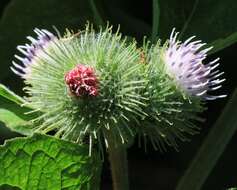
[(184, 62), (87, 86), (179, 83), (98, 87)]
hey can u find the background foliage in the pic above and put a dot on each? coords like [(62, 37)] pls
[(214, 21)]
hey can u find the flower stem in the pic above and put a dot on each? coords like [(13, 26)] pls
[(119, 167), (118, 163)]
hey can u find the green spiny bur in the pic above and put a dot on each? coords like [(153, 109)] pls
[(121, 84), (172, 112)]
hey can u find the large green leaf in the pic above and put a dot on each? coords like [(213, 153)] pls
[(22, 16), (210, 20), (43, 162), (12, 114)]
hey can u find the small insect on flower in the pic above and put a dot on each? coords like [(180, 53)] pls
[(82, 81), (184, 63)]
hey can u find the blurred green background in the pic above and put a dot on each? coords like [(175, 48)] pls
[(214, 21)]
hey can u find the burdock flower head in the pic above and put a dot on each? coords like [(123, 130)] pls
[(179, 83), (184, 63), (87, 87), (94, 87)]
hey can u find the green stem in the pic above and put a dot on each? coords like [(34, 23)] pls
[(119, 168), (118, 163), (212, 148)]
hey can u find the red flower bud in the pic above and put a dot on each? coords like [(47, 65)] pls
[(82, 81)]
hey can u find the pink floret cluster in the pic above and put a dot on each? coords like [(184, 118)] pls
[(82, 81)]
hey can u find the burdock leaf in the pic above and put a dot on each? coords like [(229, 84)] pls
[(43, 162)]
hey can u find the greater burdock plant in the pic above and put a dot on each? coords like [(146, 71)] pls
[(102, 90)]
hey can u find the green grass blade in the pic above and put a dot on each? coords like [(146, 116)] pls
[(155, 20), (212, 148), (98, 19), (222, 43), (189, 18), (6, 93), (13, 113)]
